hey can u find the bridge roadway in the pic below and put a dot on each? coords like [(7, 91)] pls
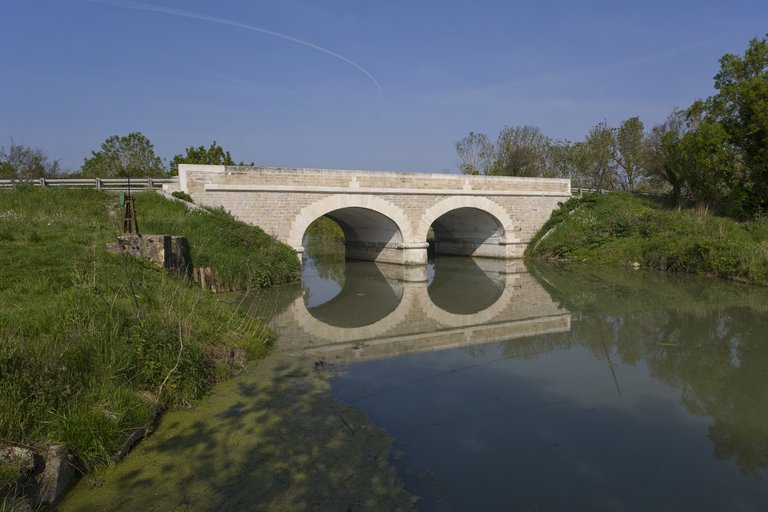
[(385, 216), (379, 313)]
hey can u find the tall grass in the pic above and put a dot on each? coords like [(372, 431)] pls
[(622, 228), (93, 343), (244, 256)]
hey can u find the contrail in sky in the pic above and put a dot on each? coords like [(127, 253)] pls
[(140, 6)]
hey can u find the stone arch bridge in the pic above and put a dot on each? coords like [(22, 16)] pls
[(385, 216)]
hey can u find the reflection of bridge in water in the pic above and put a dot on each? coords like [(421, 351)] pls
[(380, 312)]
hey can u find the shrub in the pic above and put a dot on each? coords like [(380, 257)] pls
[(620, 228), (180, 194)]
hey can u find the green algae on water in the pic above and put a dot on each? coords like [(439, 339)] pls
[(272, 439)]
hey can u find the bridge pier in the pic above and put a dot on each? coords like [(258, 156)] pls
[(398, 253), (498, 249)]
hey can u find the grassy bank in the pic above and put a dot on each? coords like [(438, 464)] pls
[(93, 343), (621, 229), (245, 256)]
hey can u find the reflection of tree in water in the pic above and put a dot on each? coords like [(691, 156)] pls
[(327, 256), (705, 337), (720, 363)]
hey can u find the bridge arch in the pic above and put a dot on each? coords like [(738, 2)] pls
[(374, 229), (469, 226)]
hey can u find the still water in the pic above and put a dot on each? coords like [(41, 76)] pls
[(538, 389)]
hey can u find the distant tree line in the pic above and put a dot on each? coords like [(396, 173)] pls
[(714, 153), (609, 158), (20, 161), (132, 155)]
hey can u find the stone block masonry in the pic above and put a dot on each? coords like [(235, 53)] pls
[(385, 216), (167, 251)]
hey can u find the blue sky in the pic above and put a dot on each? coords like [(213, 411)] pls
[(385, 85)]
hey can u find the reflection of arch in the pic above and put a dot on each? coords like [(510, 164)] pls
[(330, 333), (485, 316), (341, 201), (462, 287), (365, 297), (479, 203), (415, 314)]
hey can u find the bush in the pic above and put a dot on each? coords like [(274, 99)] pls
[(621, 228), (180, 194)]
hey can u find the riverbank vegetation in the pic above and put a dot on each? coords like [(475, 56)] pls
[(95, 343), (244, 256), (324, 228), (626, 229)]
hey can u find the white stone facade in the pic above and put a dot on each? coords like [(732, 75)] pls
[(385, 216)]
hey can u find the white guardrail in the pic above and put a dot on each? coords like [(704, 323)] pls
[(116, 184), (139, 184), (584, 191)]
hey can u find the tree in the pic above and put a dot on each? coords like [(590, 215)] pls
[(662, 163), (130, 156), (560, 162), (711, 167), (722, 155), (477, 154), (214, 155), (22, 162), (521, 151), (595, 158), (741, 106), (629, 152)]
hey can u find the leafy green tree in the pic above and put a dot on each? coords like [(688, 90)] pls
[(521, 151), (22, 162), (662, 165), (560, 162), (629, 153), (477, 153), (730, 129), (741, 106), (711, 167), (214, 155), (595, 158), (130, 156)]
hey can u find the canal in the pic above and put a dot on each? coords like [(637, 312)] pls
[(514, 388), (494, 386)]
